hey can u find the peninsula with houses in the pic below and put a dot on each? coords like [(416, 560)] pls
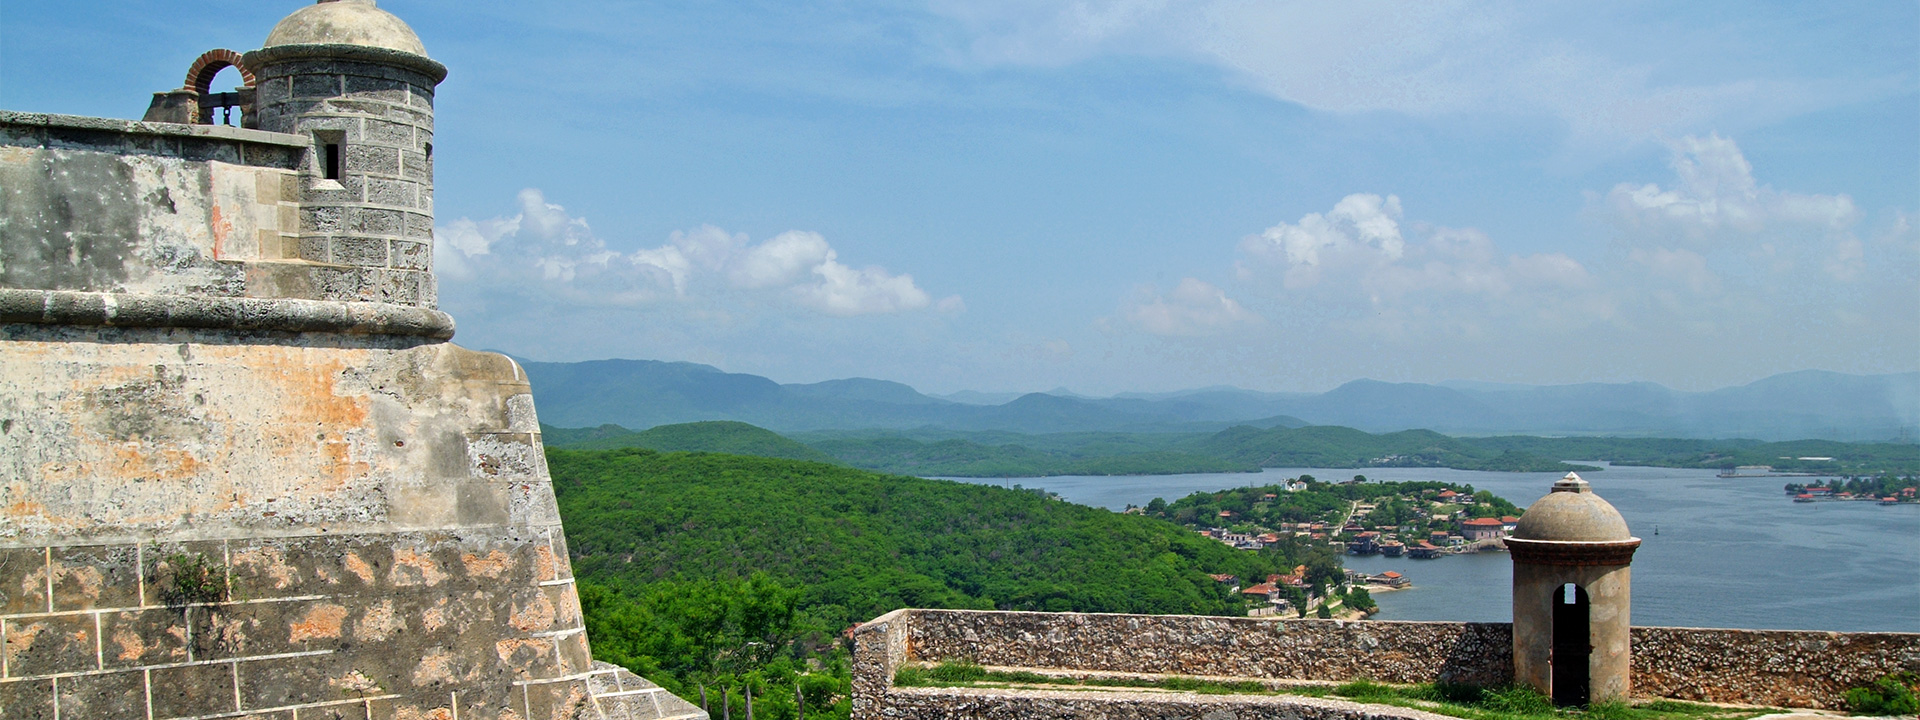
[(1425, 520)]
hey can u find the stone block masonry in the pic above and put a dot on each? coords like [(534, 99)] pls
[(1776, 668), (201, 522), (374, 108), (99, 205), (242, 473)]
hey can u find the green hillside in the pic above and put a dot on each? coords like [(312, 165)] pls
[(716, 436), (1341, 447), (697, 568), (1845, 458), (957, 457)]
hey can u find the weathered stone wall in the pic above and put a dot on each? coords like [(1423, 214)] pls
[(377, 106), (113, 206), (88, 204), (980, 704), (376, 508), (1791, 668), (1403, 652), (1782, 668)]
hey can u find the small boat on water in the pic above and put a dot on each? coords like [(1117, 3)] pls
[(1803, 497)]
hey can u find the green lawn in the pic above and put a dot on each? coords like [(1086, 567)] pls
[(1475, 703)]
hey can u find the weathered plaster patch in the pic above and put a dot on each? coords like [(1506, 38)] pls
[(321, 622)]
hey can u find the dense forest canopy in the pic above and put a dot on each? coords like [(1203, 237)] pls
[(946, 453), (704, 569)]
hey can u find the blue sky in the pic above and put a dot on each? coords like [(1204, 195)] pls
[(1140, 195)]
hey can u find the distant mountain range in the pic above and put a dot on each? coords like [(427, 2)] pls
[(1797, 405)]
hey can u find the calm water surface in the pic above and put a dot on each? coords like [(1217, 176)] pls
[(1731, 552)]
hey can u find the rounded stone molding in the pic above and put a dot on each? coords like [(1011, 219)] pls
[(1572, 554), (67, 307), (345, 22), (257, 59), (1571, 512)]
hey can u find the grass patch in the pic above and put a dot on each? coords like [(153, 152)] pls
[(1511, 702)]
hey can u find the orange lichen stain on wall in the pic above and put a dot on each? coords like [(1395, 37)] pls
[(135, 460), (309, 400), (358, 567), (434, 618), (85, 579), (410, 713), (320, 622), (435, 667), (535, 615), (522, 652), (269, 563), (414, 568), (304, 422), (569, 606), (543, 563), (378, 623), (491, 566), (23, 509), (221, 229), (132, 646), (21, 637)]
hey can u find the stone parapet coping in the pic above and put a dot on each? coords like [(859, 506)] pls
[(160, 129), (69, 307), (1574, 553), (357, 53), (1778, 668), (1011, 703)]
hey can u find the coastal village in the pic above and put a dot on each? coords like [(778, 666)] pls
[(1886, 490), (1420, 520)]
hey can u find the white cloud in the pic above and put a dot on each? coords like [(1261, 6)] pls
[(1424, 59), (781, 261), (1361, 229), (1716, 199), (1360, 270), (846, 291), (1359, 250), (1194, 308), (543, 251)]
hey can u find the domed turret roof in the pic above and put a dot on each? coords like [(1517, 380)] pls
[(346, 22), (1571, 512)]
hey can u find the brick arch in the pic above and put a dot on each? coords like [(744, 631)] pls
[(210, 63)]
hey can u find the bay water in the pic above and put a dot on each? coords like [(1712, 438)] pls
[(1728, 552)]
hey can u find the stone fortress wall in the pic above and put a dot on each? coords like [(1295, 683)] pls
[(1760, 667), (242, 471)]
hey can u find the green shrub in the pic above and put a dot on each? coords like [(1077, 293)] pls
[(1363, 689), (1890, 695), (957, 671), (909, 676), (1450, 692), (1609, 710), (192, 579), (1518, 699)]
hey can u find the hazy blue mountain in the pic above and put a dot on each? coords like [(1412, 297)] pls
[(1377, 406), (1809, 404), (882, 391), (971, 397)]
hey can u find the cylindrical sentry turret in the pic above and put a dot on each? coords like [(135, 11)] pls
[(356, 80), (1572, 593)]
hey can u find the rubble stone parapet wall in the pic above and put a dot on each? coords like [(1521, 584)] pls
[(1401, 652), (1791, 668), (982, 704), (1780, 668)]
